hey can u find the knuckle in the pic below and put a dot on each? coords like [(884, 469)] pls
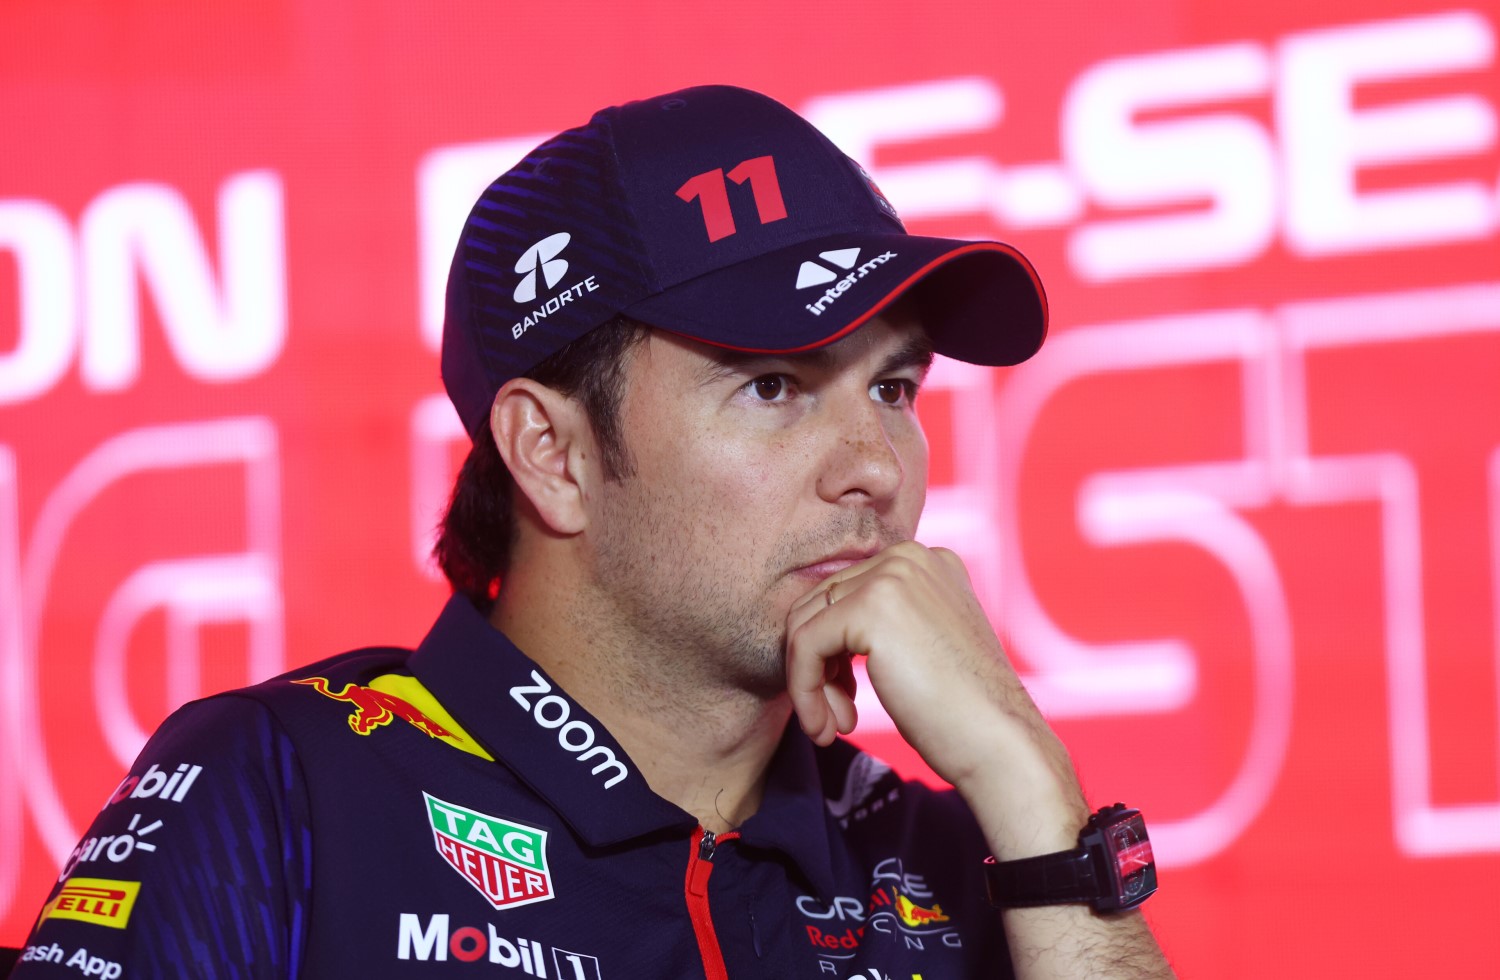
[(952, 560), (909, 550), (887, 586), (900, 564)]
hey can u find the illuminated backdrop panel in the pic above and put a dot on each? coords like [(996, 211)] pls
[(1239, 521)]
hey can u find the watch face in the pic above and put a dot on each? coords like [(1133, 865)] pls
[(1135, 865)]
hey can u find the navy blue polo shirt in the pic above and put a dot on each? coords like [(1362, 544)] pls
[(452, 811)]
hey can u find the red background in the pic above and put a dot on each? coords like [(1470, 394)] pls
[(1259, 453)]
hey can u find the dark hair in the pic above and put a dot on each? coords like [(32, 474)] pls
[(479, 528)]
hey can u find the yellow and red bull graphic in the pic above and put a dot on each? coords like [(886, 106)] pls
[(841, 927), (915, 915), (895, 913), (102, 901), (505, 861), (374, 709), (392, 696)]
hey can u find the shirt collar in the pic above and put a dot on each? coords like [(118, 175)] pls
[(502, 698), (566, 756), (792, 817)]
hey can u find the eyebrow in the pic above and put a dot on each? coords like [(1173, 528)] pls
[(915, 352)]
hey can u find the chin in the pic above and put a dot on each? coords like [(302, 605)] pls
[(757, 664)]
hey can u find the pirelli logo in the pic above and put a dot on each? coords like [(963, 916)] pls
[(102, 901)]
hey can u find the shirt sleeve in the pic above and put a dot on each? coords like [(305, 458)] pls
[(199, 864)]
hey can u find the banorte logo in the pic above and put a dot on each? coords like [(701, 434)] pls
[(373, 709), (541, 258)]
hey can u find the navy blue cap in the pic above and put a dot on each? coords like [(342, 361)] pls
[(718, 214)]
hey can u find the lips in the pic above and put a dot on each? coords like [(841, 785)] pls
[(837, 562)]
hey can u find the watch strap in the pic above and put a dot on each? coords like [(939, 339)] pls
[(1047, 879)]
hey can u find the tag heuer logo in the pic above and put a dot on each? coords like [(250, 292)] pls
[(813, 274), (505, 861), (541, 257)]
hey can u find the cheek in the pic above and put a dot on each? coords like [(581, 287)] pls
[(714, 474), (743, 482), (916, 461), (910, 443), (909, 440), (744, 492)]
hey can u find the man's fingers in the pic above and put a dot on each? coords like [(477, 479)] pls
[(838, 691), (817, 600), (842, 673), (841, 706), (829, 624), (820, 676), (826, 713)]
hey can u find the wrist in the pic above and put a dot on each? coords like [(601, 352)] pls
[(1026, 803)]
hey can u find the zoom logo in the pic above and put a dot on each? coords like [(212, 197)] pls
[(541, 258), (577, 736)]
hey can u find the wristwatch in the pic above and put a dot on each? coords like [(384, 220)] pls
[(1112, 868)]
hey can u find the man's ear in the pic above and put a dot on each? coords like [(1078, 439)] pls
[(544, 438)]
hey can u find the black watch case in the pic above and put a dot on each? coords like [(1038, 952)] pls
[(1112, 869)]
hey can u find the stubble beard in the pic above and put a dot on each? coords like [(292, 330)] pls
[(683, 619), (683, 616)]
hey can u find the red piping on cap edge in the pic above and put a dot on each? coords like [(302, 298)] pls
[(905, 284)]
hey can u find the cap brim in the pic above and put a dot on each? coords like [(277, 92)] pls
[(981, 302)]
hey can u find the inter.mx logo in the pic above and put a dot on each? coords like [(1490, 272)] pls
[(505, 861), (812, 273)]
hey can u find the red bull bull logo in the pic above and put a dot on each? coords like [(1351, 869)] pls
[(915, 915), (374, 709)]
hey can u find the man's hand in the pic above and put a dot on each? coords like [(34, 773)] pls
[(943, 676)]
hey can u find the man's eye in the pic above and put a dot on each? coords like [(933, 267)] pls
[(893, 392), (770, 388)]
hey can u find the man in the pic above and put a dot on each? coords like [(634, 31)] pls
[(686, 339)]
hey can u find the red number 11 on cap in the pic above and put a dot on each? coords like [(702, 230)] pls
[(712, 193)]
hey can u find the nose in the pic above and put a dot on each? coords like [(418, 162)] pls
[(863, 462)]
